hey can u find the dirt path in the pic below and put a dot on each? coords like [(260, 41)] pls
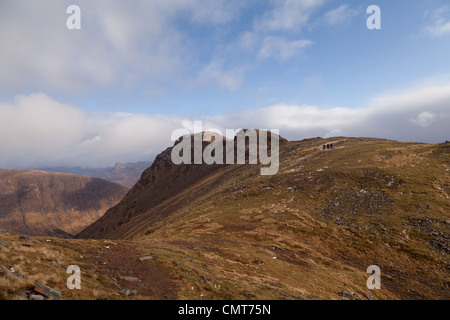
[(135, 277)]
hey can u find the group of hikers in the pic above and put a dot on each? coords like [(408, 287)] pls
[(327, 146)]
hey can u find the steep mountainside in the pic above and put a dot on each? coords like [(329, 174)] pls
[(162, 181), (43, 203), (310, 231)]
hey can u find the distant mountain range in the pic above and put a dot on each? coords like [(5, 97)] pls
[(126, 174)]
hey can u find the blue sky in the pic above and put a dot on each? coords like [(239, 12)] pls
[(345, 65), (153, 66)]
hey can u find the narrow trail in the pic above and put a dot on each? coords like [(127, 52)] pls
[(122, 260)]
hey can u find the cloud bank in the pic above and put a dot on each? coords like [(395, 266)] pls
[(38, 131), (118, 44), (440, 25), (143, 45)]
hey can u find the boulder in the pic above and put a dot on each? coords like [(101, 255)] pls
[(131, 279), (47, 291), (36, 297), (347, 295), (146, 258)]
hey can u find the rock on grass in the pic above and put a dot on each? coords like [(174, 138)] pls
[(47, 291)]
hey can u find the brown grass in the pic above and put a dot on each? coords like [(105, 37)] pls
[(309, 232)]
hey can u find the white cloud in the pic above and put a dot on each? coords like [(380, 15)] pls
[(339, 15), (387, 116), (214, 73), (132, 47), (282, 48), (271, 35), (424, 119), (439, 28), (287, 15), (42, 117), (248, 40), (217, 11), (334, 133), (38, 131), (440, 22), (116, 40)]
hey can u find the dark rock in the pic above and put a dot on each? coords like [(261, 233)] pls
[(347, 295), (128, 292), (27, 238), (131, 279), (276, 284), (47, 291), (24, 244), (56, 264), (369, 297), (17, 275)]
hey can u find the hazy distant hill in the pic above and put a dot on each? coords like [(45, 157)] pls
[(126, 174), (45, 203)]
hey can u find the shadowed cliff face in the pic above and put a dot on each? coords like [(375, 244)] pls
[(44, 203), (162, 181)]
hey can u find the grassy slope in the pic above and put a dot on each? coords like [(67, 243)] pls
[(308, 232), (326, 216)]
